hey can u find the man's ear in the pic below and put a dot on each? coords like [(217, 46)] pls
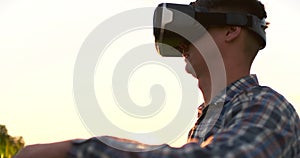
[(232, 32)]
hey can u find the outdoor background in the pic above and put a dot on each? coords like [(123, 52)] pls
[(40, 40)]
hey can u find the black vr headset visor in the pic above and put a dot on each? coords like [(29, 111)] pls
[(175, 24)]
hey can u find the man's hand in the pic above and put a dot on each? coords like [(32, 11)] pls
[(53, 150), (207, 142)]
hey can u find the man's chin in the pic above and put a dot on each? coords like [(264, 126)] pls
[(190, 71)]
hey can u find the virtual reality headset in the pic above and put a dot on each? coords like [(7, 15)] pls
[(176, 24)]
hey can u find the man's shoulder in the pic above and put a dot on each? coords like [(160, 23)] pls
[(261, 93), (264, 98)]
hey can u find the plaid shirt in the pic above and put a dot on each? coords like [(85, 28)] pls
[(254, 121)]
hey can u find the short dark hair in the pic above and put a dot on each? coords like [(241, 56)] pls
[(254, 7)]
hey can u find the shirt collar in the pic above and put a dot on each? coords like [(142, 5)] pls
[(235, 88)]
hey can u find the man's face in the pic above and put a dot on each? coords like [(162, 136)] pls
[(194, 61), (198, 54)]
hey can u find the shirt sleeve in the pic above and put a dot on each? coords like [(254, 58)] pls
[(264, 126)]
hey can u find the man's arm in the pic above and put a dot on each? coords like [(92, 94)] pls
[(260, 127), (265, 126), (53, 150)]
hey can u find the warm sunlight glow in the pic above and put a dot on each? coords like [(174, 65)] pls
[(40, 41)]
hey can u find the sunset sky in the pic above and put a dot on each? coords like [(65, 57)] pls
[(40, 41)]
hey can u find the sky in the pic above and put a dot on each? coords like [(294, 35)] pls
[(41, 39)]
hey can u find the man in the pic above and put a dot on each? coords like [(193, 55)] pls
[(254, 121)]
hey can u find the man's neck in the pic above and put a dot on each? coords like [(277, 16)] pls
[(205, 82)]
